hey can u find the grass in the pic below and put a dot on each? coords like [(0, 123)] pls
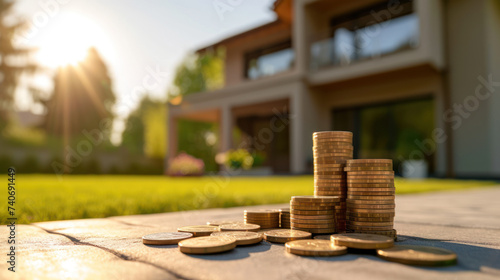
[(45, 198)]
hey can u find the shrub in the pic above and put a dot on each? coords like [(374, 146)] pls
[(185, 165)]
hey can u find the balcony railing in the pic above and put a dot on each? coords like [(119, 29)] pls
[(348, 46)]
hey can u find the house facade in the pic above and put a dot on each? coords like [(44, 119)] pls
[(412, 79)]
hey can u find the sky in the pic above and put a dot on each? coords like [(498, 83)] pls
[(137, 39)]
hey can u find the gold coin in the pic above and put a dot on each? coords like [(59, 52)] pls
[(368, 228), (311, 212), (296, 204), (262, 212), (315, 226), (332, 132), (242, 237), (418, 255), (355, 189), (266, 225), (239, 227), (330, 220), (368, 168), (362, 241), (370, 177), (333, 149), (384, 185), (318, 208), (369, 193), (369, 197), (315, 230), (371, 211), (332, 154), (207, 244), (284, 210), (330, 193), (370, 161), (329, 177), (372, 224), (370, 206), (310, 198), (285, 235), (369, 202), (376, 173), (369, 215), (202, 230), (218, 223), (368, 181), (308, 217), (165, 238), (320, 174), (331, 165), (372, 219), (391, 232), (311, 247)]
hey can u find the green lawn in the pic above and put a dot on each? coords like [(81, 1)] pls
[(44, 197)]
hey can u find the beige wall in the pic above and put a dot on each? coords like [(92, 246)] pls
[(473, 37), (237, 48)]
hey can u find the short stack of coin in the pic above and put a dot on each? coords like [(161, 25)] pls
[(285, 218), (331, 150), (314, 214), (264, 218), (370, 196)]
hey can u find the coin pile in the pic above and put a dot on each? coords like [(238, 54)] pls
[(314, 214), (263, 218), (331, 150), (370, 196), (285, 218)]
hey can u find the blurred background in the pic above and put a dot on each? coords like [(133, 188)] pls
[(196, 87)]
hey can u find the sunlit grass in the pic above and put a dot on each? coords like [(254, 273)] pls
[(44, 197)]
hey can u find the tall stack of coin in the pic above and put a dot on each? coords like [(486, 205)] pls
[(263, 218), (370, 196), (314, 214), (285, 218), (331, 150)]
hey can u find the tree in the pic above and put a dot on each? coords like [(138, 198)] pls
[(82, 97), (145, 129), (14, 60)]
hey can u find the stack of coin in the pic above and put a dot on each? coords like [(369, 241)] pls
[(285, 218), (370, 196), (331, 150), (263, 218), (314, 214)]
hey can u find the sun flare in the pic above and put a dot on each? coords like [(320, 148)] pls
[(67, 41)]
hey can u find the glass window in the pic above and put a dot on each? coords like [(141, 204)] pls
[(269, 61), (366, 34)]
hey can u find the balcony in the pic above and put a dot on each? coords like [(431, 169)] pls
[(269, 61)]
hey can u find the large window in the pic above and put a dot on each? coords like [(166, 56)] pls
[(269, 61), (373, 32), (391, 130)]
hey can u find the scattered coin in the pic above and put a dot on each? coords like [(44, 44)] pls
[(239, 227), (201, 230), (207, 244), (362, 240), (242, 237), (323, 237), (218, 223), (418, 255), (165, 238), (311, 247), (285, 235)]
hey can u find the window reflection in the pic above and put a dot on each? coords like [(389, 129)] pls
[(269, 61)]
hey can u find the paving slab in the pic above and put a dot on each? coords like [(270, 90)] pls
[(467, 222)]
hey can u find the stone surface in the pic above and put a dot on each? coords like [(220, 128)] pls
[(467, 222)]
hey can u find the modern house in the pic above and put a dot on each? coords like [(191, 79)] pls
[(412, 79)]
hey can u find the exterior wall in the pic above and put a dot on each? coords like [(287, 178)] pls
[(472, 55), (236, 49)]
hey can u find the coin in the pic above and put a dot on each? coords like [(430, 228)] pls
[(391, 233), (351, 193), (262, 212), (285, 235), (370, 211), (368, 228), (314, 226), (368, 173), (242, 237), (201, 230), (306, 217), (165, 238), (315, 230), (311, 208), (239, 227), (368, 168), (362, 240), (331, 220), (372, 219), (328, 133), (370, 206), (329, 177), (418, 255), (284, 210), (332, 165), (311, 247), (311, 212), (369, 161), (207, 244), (369, 197), (369, 215), (312, 204), (368, 181), (355, 189), (218, 223), (368, 202), (370, 177), (373, 224), (323, 237), (310, 198)]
